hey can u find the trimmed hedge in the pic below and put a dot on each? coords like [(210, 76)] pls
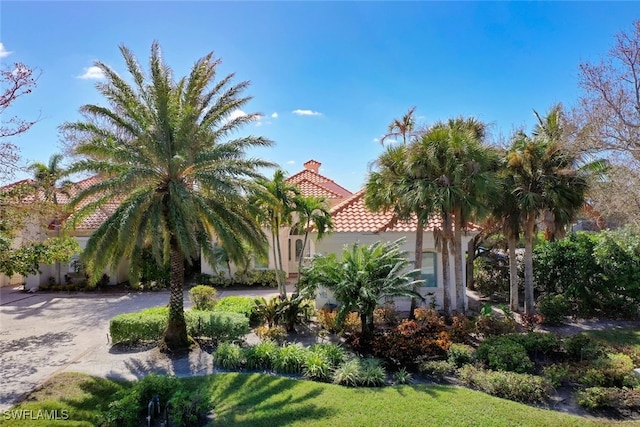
[(238, 304), (149, 324), (508, 385)]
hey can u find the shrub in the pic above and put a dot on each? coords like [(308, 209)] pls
[(508, 385), (437, 368), (348, 373), (553, 308), (615, 370), (538, 343), (189, 408), (217, 325), (530, 321), (275, 333), (290, 359), (582, 347), (203, 297), (145, 325), (601, 398), (503, 354), (328, 320), (429, 319), (460, 354), (386, 315), (262, 355), (237, 304), (372, 373), (461, 329), (491, 326), (264, 278), (408, 343), (334, 353), (317, 367), (229, 356), (490, 279), (556, 374), (402, 376)]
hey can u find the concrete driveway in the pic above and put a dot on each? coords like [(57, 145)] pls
[(42, 334)]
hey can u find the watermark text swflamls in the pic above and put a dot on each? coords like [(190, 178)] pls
[(34, 415)]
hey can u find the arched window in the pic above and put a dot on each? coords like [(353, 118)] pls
[(298, 249)]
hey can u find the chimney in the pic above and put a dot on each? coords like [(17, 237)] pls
[(312, 165)]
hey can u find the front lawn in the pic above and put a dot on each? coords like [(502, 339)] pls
[(265, 400)]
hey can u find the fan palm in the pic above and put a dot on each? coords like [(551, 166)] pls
[(168, 170), (403, 127)]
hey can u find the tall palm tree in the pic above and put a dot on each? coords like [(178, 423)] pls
[(403, 127), (312, 212), (47, 179), (165, 159), (275, 199), (546, 178)]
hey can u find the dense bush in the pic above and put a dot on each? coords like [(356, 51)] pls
[(598, 274), (253, 278), (616, 399), (504, 354), (203, 297), (460, 354), (437, 368), (582, 347), (229, 356), (553, 308), (461, 329), (360, 372), (407, 344), (329, 321), (615, 370), (238, 304), (557, 374), (508, 385), (386, 315), (129, 409), (149, 324), (317, 367), (491, 326), (262, 355), (490, 279), (290, 359), (538, 343), (274, 333)]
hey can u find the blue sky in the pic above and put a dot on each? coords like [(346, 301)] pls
[(351, 66)]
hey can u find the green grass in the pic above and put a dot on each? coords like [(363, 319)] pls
[(264, 400), (627, 337)]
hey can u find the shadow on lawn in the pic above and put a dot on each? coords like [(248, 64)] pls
[(263, 400)]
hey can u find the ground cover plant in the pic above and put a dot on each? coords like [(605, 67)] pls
[(264, 400)]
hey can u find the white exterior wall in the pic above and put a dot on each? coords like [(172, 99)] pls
[(335, 242)]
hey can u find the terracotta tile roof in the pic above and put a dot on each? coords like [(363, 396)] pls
[(306, 177), (351, 215), (95, 219)]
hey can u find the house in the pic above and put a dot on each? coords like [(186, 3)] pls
[(353, 222)]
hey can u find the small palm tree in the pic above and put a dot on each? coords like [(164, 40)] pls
[(364, 276), (403, 127), (275, 200), (170, 171), (312, 212)]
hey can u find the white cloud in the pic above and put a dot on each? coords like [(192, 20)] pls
[(258, 124), (235, 114), (3, 51), (291, 162), (92, 73), (306, 113), (376, 139), (274, 116)]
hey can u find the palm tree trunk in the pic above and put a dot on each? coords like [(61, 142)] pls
[(514, 303), (529, 302), (175, 336), (283, 289), (275, 258), (417, 264), (446, 274), (304, 245), (471, 252), (457, 261)]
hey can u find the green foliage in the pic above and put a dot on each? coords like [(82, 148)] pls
[(615, 370), (491, 326), (149, 324), (537, 343), (151, 271), (129, 408), (203, 297), (598, 274), (460, 354), (262, 355), (437, 368), (237, 304), (508, 385), (27, 259), (490, 278), (372, 373), (348, 373), (619, 400), (254, 278), (290, 359), (229, 356), (317, 366), (556, 374), (553, 308), (364, 276), (274, 333), (461, 329), (334, 353), (503, 354), (582, 347), (402, 376)]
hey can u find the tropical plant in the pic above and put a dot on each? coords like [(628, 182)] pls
[(364, 276), (313, 212), (403, 127), (275, 199), (169, 175)]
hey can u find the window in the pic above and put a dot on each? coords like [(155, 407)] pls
[(298, 249), (260, 262), (428, 273)]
